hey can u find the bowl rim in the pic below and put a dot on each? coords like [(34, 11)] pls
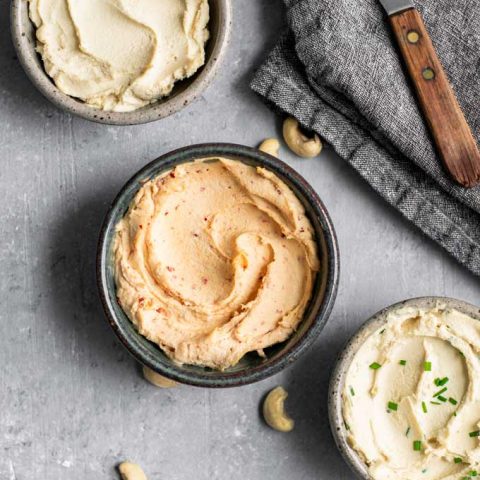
[(26, 54), (321, 315), (345, 358)]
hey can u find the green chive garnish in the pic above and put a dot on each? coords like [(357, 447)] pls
[(375, 366), (473, 473), (407, 432), (457, 460), (440, 382), (424, 407), (442, 399), (454, 414), (444, 389), (427, 366), (417, 445), (435, 403), (476, 433), (352, 391), (452, 401), (392, 406), (402, 362), (382, 331)]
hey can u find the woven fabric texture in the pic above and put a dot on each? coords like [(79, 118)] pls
[(337, 70)]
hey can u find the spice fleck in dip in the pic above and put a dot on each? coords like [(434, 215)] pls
[(215, 259), (411, 401)]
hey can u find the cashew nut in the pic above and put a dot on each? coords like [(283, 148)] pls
[(270, 146), (274, 410), (158, 380), (131, 471), (298, 142)]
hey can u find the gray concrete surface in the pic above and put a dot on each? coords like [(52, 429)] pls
[(72, 401)]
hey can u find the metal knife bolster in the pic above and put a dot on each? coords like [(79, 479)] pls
[(396, 6)]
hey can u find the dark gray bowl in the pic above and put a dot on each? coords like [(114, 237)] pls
[(337, 381), (252, 368), (184, 92)]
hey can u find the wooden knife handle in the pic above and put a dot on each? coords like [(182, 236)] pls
[(454, 140)]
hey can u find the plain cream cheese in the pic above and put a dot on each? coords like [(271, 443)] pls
[(120, 55), (411, 401)]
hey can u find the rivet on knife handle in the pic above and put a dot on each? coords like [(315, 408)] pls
[(453, 138)]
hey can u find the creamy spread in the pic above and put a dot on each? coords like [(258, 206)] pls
[(411, 401), (215, 259), (120, 55)]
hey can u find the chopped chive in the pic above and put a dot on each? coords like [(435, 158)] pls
[(382, 331), (427, 366), (435, 403), (417, 445), (347, 426), (442, 399), (440, 382), (473, 473), (444, 389), (402, 362), (452, 401), (454, 414), (424, 470), (465, 478), (457, 460), (476, 433), (352, 391), (424, 407), (407, 432), (375, 366), (392, 406)]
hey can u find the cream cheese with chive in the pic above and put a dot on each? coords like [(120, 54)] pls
[(423, 357)]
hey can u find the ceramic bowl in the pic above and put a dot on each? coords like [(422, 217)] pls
[(337, 381), (251, 368), (184, 92)]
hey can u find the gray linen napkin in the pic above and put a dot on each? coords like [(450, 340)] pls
[(338, 72)]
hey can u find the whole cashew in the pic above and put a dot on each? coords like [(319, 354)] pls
[(158, 380), (274, 411), (298, 142), (270, 146), (131, 471)]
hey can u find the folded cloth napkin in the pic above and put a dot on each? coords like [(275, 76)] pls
[(338, 72)]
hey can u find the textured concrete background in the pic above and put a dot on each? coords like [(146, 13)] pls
[(72, 401)]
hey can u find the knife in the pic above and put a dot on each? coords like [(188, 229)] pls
[(452, 136)]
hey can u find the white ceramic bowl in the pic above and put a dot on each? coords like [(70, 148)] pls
[(184, 92), (337, 381)]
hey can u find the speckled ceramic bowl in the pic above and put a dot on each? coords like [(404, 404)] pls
[(184, 92), (337, 381), (251, 368)]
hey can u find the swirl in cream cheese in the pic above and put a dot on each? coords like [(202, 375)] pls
[(120, 55), (411, 401), (215, 259)]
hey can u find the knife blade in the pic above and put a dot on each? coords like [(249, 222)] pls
[(453, 139), (395, 6)]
